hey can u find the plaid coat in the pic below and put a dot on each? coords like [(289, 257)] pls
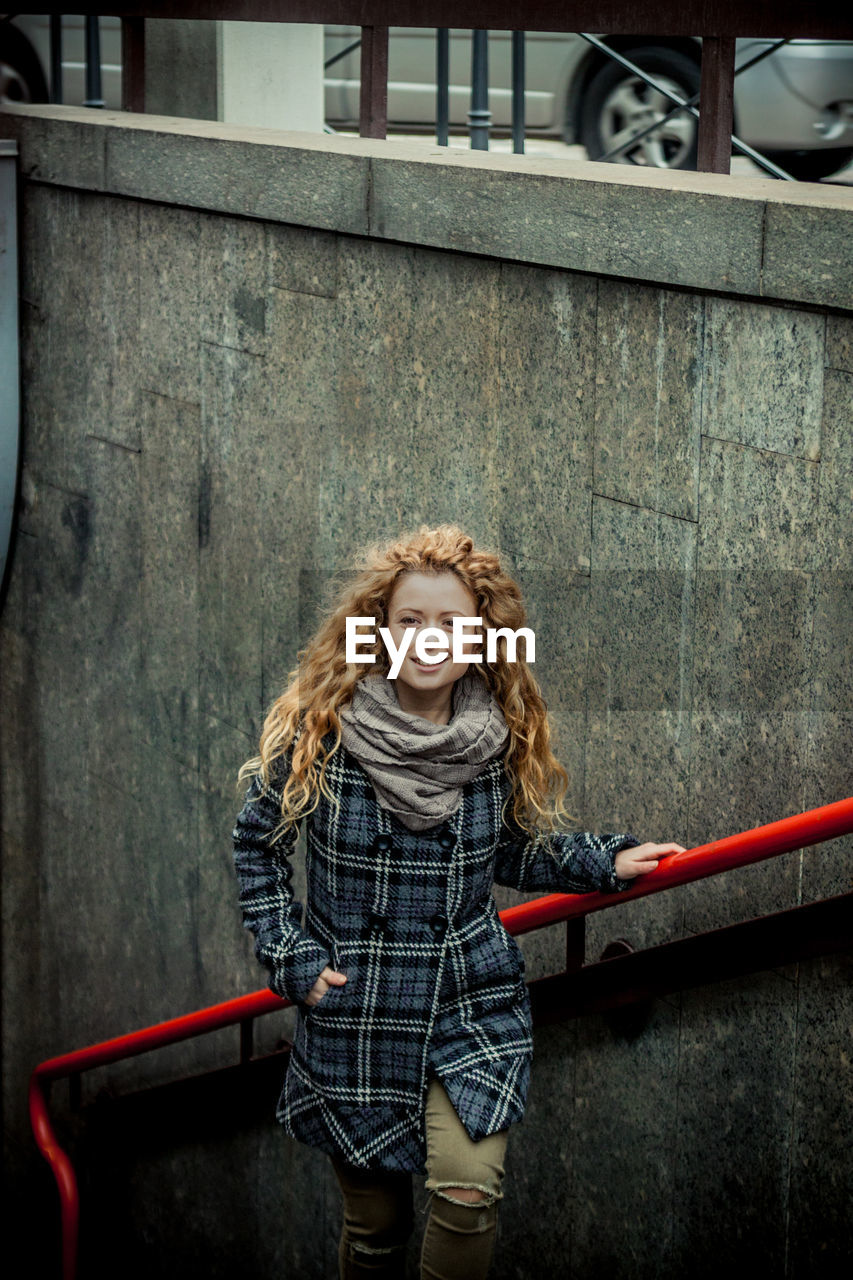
[(434, 981)]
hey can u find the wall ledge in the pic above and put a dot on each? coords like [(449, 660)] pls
[(755, 237)]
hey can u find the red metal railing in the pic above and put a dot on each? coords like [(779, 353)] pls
[(768, 841)]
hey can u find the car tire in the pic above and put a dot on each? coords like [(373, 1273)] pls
[(811, 166), (616, 100), (21, 76)]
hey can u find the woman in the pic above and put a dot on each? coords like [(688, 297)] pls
[(413, 1043)]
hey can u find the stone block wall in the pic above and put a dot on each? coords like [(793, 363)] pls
[(245, 355)]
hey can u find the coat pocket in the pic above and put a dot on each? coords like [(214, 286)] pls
[(347, 998), (331, 946), (325, 1003), (514, 953)]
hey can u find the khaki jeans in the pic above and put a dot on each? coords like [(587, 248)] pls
[(459, 1237)]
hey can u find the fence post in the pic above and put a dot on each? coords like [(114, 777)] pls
[(373, 104), (133, 64), (716, 104), (518, 78), (94, 96), (442, 85), (56, 57), (575, 943), (479, 117)]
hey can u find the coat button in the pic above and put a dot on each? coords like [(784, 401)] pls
[(447, 840), (438, 922), (377, 920), (382, 844)]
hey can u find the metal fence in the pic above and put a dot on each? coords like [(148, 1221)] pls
[(717, 25)]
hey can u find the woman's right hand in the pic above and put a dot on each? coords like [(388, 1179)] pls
[(328, 978)]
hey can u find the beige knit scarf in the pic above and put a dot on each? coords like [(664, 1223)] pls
[(418, 768)]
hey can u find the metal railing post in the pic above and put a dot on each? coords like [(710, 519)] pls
[(479, 116), (94, 97), (518, 92), (717, 89), (56, 57), (442, 85), (133, 64), (575, 943), (373, 104)]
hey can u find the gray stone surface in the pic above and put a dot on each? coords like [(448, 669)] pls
[(829, 763), (829, 775), (110, 618), (169, 587), (297, 178), (170, 300), (586, 218), (305, 178), (547, 354), (708, 231), (58, 144), (804, 252), (638, 691), (452, 402), (417, 397), (625, 1129), (834, 531), (302, 364), (233, 283), (839, 342), (53, 416), (549, 1127), (231, 536), (758, 509), (302, 260), (820, 1217), (736, 1084), (763, 382), (180, 68), (375, 372), (752, 654), (749, 732), (53, 622), (648, 397), (90, 256)]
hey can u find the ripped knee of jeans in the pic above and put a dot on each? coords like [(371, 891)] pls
[(488, 1196), (373, 1250)]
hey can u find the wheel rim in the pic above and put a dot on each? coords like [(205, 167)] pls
[(633, 105), (13, 87)]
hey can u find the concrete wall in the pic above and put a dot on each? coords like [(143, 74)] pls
[(250, 73), (245, 353)]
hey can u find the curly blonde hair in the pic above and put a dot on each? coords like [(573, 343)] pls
[(322, 682)]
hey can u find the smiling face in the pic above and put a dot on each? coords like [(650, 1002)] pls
[(421, 600)]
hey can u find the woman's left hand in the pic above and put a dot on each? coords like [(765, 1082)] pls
[(642, 858)]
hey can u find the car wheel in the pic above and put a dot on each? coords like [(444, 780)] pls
[(617, 104), (21, 76), (811, 166)]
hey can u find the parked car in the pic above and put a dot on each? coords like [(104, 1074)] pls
[(796, 106)]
